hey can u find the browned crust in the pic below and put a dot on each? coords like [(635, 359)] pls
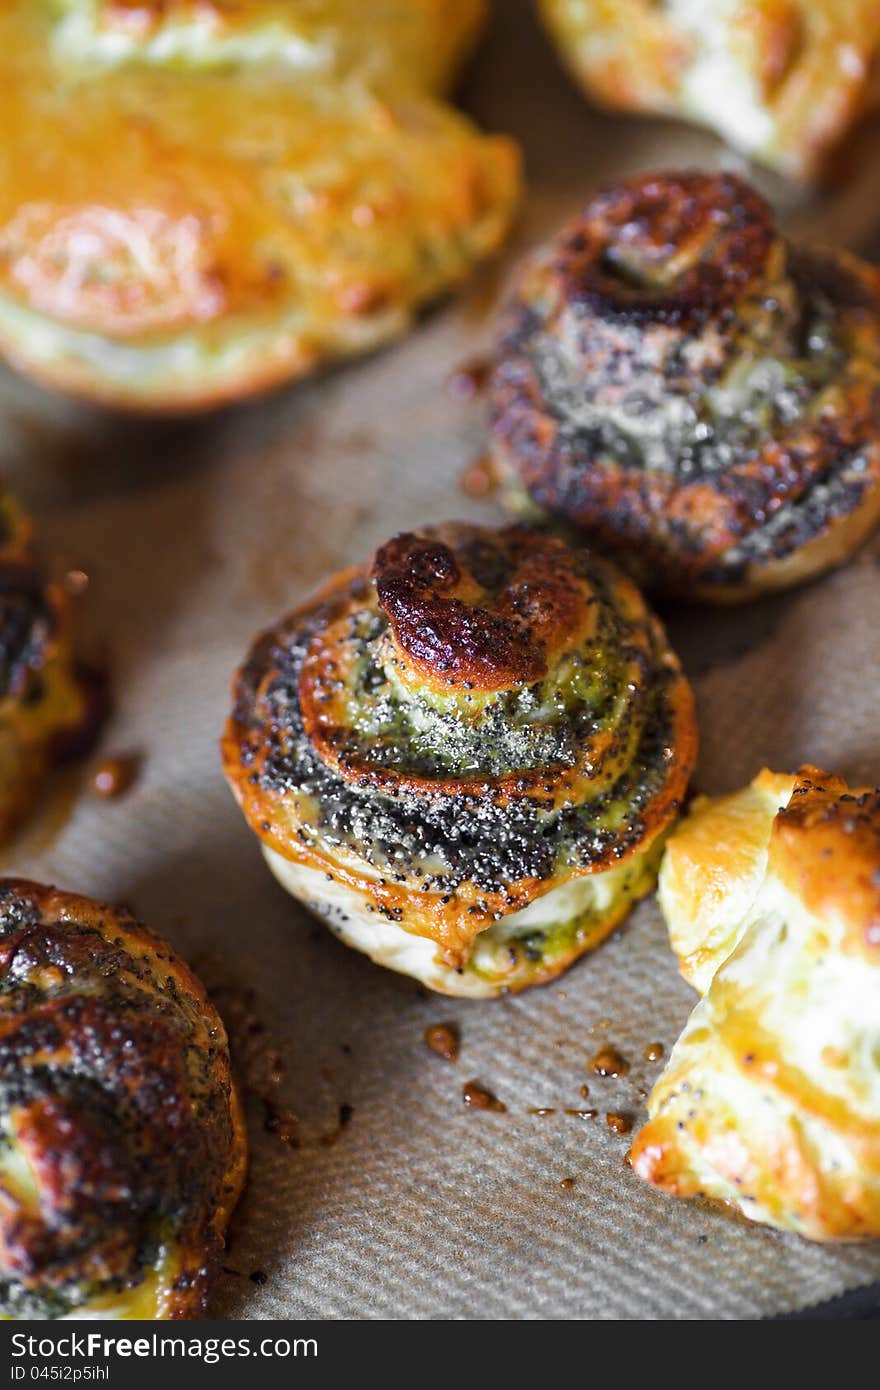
[(651, 271), (116, 1010), (824, 850), (452, 920), (454, 633), (49, 709), (674, 247)]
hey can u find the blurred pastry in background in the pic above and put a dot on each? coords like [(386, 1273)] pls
[(47, 710), (415, 43), (465, 756), (771, 1097), (199, 202), (781, 80), (123, 1148), (697, 394)]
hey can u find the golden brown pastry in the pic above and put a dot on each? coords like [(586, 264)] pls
[(123, 1147), (700, 396), (771, 1098), (781, 80), (408, 42), (46, 710), (464, 756), (415, 43), (202, 201)]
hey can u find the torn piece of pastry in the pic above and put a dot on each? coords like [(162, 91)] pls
[(697, 394), (464, 757), (47, 711), (123, 1148), (781, 80), (176, 235), (771, 1098), (712, 869)]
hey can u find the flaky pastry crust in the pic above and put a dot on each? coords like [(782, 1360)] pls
[(123, 1148), (465, 756), (176, 234), (771, 1098), (697, 394), (781, 80)]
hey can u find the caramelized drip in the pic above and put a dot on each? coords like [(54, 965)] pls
[(469, 379), (609, 1062), (114, 776), (618, 1123), (476, 1097), (443, 1038)]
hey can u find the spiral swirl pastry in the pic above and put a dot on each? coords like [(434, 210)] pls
[(781, 80), (697, 394), (465, 756), (771, 1098), (205, 200), (46, 711), (122, 1150)]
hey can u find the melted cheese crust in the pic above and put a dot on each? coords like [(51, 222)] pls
[(178, 233)]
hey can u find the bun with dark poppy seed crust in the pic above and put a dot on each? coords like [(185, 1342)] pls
[(465, 756), (695, 393), (47, 711), (123, 1148)]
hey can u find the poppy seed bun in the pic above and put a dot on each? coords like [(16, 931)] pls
[(465, 756)]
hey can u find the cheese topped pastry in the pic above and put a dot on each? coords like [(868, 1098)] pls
[(695, 392), (190, 212), (465, 755), (771, 1097), (122, 1148)]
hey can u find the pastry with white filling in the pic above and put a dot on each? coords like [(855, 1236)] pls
[(782, 80), (770, 1101)]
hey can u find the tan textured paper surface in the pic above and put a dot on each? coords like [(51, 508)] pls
[(195, 535)]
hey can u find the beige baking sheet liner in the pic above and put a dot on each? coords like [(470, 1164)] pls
[(197, 534)]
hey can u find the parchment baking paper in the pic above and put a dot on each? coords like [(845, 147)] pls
[(398, 1202)]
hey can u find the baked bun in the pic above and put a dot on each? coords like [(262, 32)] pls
[(46, 710), (190, 213), (771, 1098), (781, 80), (695, 393), (124, 1149), (464, 756)]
